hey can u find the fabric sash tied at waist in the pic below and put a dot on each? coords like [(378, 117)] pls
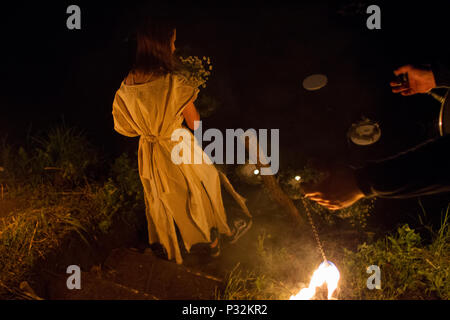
[(153, 139), (147, 159)]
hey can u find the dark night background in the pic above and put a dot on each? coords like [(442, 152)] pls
[(261, 54)]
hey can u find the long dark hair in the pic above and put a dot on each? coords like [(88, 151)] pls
[(153, 52)]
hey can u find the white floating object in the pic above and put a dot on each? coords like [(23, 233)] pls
[(315, 82), (365, 132), (256, 172), (297, 178)]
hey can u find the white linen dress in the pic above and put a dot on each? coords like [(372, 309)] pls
[(186, 194)]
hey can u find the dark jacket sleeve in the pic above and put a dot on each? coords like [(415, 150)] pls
[(441, 72), (420, 171)]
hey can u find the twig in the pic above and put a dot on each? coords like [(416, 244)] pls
[(239, 199), (426, 259), (203, 275), (32, 238)]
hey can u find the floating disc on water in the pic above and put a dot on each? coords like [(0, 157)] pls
[(364, 133), (315, 82)]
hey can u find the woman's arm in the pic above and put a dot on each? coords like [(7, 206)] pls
[(191, 115)]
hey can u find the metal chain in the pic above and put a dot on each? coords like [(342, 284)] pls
[(316, 234)]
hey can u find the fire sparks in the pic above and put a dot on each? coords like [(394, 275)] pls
[(326, 273)]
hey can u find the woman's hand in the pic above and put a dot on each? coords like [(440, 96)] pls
[(338, 190), (420, 80)]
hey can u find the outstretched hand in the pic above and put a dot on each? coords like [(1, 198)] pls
[(420, 80), (338, 190)]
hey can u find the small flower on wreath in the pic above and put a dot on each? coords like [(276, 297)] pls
[(196, 70)]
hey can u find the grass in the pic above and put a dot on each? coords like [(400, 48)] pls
[(411, 268), (61, 156), (54, 206), (30, 234), (274, 275)]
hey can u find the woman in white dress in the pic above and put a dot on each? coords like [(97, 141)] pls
[(152, 102)]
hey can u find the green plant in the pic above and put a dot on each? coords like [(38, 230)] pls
[(109, 202), (409, 268), (45, 214), (126, 175), (17, 163), (123, 193), (66, 151)]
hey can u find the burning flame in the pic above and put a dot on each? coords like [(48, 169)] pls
[(326, 273)]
